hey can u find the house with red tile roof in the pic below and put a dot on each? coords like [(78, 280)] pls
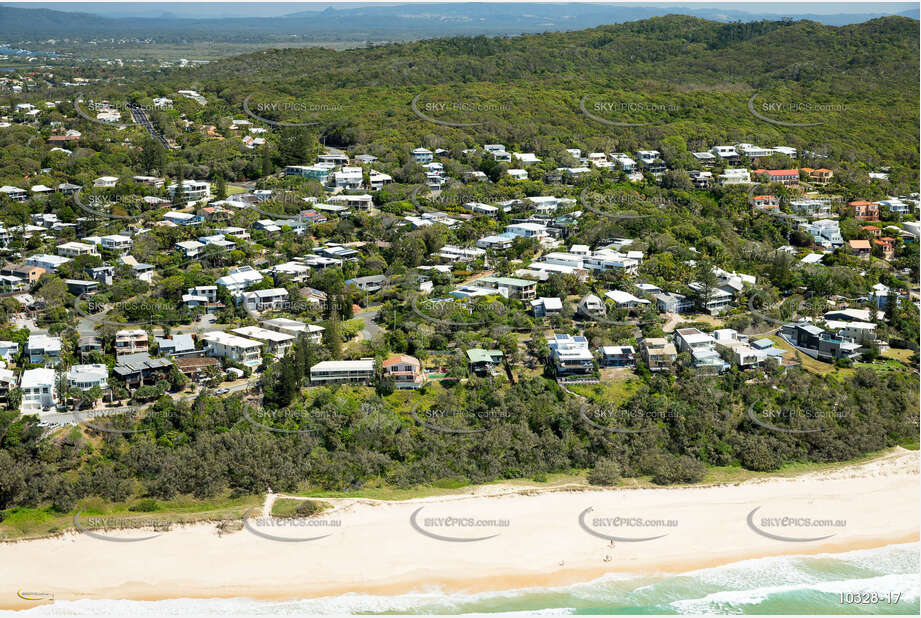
[(789, 178)]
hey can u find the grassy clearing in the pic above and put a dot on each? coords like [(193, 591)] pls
[(25, 523), (622, 385), (288, 507)]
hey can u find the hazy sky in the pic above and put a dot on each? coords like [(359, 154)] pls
[(271, 9)]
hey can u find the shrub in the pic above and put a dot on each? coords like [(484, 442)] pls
[(605, 472)]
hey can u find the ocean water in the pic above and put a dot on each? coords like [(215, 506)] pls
[(779, 585)]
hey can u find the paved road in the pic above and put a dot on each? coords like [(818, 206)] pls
[(370, 329), (140, 117)]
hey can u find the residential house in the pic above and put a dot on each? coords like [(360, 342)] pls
[(702, 348), (130, 341), (116, 242), (234, 348), (73, 249), (726, 153), (766, 202), (483, 362), (238, 279), (658, 353), (671, 302), (860, 248), (14, 194), (193, 190), (49, 262), (341, 372), (140, 369), (735, 176), (405, 370), (105, 182), (617, 356), (819, 177), (311, 332), (277, 343), (811, 207), (85, 377), (509, 287), (570, 355), (863, 210), (625, 300), (886, 246), (27, 272), (546, 307), (422, 155), (265, 300), (178, 345), (38, 391), (43, 349), (368, 284)]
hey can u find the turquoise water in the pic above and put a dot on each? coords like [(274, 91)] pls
[(781, 585)]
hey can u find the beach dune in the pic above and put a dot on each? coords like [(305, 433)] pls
[(493, 538)]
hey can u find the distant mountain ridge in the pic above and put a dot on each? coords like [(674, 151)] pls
[(371, 23)]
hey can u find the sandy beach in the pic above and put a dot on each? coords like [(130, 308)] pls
[(535, 538)]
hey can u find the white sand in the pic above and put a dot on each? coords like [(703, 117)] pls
[(376, 550)]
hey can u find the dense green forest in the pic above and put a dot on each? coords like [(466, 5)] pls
[(351, 436)]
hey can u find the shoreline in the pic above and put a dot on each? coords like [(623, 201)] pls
[(376, 550)]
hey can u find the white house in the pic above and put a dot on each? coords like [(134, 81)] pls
[(422, 155), (38, 391), (49, 262), (238, 279), (116, 242), (277, 343), (105, 181), (86, 377), (336, 372), (234, 348), (264, 300), (193, 190)]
